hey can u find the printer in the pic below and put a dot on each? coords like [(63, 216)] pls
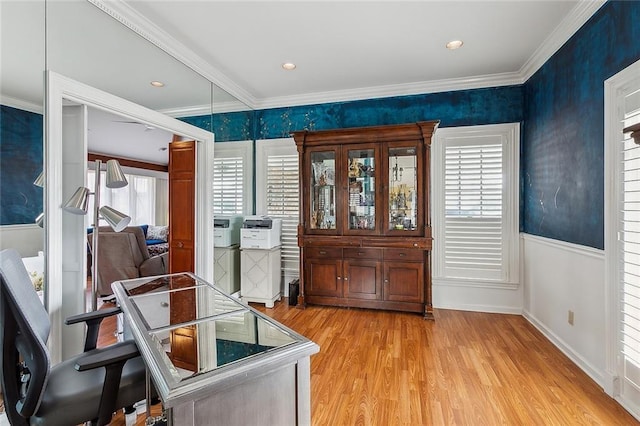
[(226, 230), (260, 232)]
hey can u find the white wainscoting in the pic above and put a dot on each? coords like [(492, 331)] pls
[(558, 277), (477, 296), (27, 240)]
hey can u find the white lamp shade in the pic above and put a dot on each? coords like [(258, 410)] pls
[(79, 201), (40, 220), (39, 180), (118, 221), (115, 175)]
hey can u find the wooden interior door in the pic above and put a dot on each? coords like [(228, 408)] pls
[(182, 193)]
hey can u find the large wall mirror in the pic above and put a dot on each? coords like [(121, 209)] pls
[(100, 71)]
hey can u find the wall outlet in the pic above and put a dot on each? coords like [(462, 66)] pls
[(570, 318)]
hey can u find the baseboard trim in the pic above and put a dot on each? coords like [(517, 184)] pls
[(585, 366)]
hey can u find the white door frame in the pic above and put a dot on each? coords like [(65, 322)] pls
[(615, 89), (59, 88)]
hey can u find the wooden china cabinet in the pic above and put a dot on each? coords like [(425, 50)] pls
[(365, 229)]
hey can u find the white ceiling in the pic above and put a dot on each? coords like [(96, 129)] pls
[(118, 136), (356, 49)]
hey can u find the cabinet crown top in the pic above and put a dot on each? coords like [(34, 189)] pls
[(421, 130)]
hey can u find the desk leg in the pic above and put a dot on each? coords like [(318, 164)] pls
[(303, 385), (147, 383)]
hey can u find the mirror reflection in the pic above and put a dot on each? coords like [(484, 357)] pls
[(22, 57), (88, 45)]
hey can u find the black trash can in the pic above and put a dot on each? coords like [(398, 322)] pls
[(294, 291)]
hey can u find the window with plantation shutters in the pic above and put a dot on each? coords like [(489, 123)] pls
[(475, 204), (232, 178), (278, 195), (622, 233), (227, 185), (629, 255)]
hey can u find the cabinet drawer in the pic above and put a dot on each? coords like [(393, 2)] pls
[(404, 255), (323, 252), (363, 253)]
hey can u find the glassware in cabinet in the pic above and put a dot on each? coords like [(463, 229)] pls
[(362, 189), (403, 184), (323, 190)]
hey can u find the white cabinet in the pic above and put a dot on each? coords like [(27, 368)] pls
[(226, 270), (260, 276)]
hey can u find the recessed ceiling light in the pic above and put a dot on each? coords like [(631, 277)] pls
[(157, 84), (454, 44), (289, 66)]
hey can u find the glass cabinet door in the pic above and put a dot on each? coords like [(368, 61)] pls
[(361, 189), (403, 184), (323, 190)]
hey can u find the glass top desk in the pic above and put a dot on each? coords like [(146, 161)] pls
[(213, 357)]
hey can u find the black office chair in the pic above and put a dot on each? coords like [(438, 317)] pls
[(87, 387)]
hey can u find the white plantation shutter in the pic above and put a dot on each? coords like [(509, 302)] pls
[(629, 250), (475, 221), (282, 202), (232, 178), (228, 185), (622, 238), (473, 210), (278, 195)]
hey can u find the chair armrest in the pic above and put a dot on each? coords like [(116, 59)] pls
[(116, 353), (156, 265), (93, 321), (89, 316), (113, 359)]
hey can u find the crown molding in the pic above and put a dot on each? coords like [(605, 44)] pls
[(578, 16), (20, 104), (196, 110), (476, 82), (142, 26)]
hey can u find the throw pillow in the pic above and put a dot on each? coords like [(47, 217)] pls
[(157, 233)]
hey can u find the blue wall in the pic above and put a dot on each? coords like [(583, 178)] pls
[(20, 164), (563, 151), (459, 108), (232, 126)]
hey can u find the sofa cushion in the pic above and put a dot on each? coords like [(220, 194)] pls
[(153, 242), (157, 233)]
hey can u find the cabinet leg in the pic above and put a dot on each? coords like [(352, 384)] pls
[(301, 304), (428, 312)]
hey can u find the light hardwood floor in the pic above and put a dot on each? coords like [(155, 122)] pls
[(464, 368)]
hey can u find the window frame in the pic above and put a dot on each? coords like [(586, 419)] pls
[(509, 134), (265, 148)]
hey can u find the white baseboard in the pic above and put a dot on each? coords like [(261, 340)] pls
[(577, 359), (477, 297)]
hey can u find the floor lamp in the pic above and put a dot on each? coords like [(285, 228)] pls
[(79, 203), (40, 183)]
